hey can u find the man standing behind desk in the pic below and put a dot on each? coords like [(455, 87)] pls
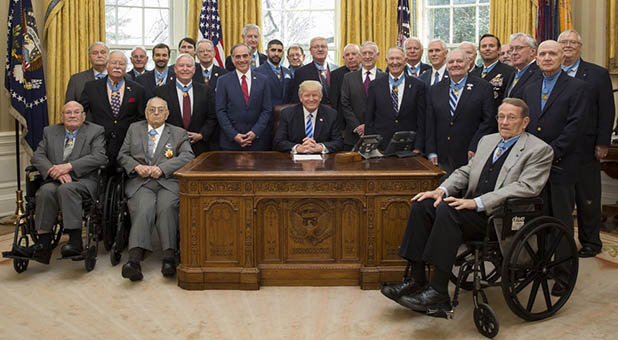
[(354, 93), (436, 52), (308, 127), (191, 105), (279, 77), (161, 73), (493, 71), (351, 59), (593, 145), (414, 52), (206, 72), (244, 109), (319, 69), (251, 37), (98, 54), (523, 54), (296, 58)]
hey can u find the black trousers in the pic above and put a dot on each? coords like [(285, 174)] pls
[(588, 201), (433, 235), (559, 202)]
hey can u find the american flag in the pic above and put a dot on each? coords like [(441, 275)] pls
[(403, 21), (210, 28)]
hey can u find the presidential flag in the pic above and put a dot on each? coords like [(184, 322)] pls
[(24, 78), (403, 22), (210, 28)]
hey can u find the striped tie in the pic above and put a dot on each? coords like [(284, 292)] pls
[(309, 126), (452, 102), (395, 97)]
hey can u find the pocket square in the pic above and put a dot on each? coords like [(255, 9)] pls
[(131, 100)]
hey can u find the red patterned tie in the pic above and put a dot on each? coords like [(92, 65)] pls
[(245, 89), (186, 110)]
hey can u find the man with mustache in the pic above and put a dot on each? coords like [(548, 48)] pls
[(279, 77), (97, 53), (161, 73)]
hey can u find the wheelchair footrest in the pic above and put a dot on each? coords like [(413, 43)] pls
[(80, 257), (12, 255), (441, 313)]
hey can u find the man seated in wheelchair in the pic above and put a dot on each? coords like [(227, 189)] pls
[(511, 163), (152, 151), (67, 158)]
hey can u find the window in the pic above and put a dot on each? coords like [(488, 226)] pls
[(295, 22), (130, 23), (454, 21)]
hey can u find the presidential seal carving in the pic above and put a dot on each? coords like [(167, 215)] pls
[(310, 223)]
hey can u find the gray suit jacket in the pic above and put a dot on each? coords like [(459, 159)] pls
[(523, 174), (77, 83), (353, 103), (172, 153), (87, 156)]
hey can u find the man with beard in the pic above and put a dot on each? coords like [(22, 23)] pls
[(279, 77), (161, 73)]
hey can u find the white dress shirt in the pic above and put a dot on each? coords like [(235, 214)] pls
[(248, 74)]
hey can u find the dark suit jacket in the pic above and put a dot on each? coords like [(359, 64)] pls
[(452, 137), (336, 81), (235, 116), (309, 72), (561, 122), (133, 75), (147, 80), (291, 129), (214, 75), (203, 118), (532, 73), (599, 122), (229, 66), (279, 88), (427, 76), (353, 103), (497, 78), (98, 110), (381, 118), (76, 84)]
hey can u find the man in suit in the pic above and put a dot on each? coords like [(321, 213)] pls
[(244, 109), (191, 105), (461, 111), (296, 58), (139, 59), (67, 157), (470, 51), (206, 72), (493, 71), (98, 53), (354, 93), (279, 77), (114, 103), (511, 163), (436, 52), (251, 37), (308, 127), (593, 145), (396, 103), (187, 45), (150, 154), (558, 106), (505, 54), (523, 54), (161, 73), (319, 69), (351, 60), (414, 53)]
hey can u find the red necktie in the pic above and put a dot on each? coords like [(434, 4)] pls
[(245, 89), (366, 83), (186, 110)]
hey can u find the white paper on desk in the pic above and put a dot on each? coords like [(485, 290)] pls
[(306, 157)]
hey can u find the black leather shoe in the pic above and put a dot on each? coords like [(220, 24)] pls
[(42, 255), (396, 290), (132, 271), (559, 288), (588, 251), (169, 267), (427, 298), (69, 250)]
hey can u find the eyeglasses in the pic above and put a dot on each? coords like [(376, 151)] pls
[(160, 109), (317, 47), (509, 118), (517, 48), (73, 113), (569, 42)]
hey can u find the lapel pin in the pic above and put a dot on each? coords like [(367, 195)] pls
[(321, 120), (216, 74)]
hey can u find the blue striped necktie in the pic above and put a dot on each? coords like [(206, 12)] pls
[(309, 126)]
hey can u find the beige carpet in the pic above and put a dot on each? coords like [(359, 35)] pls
[(62, 301)]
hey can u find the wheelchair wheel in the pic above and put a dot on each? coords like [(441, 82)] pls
[(92, 244), (20, 265), (91, 259), (109, 202), (115, 255), (531, 264), (57, 230), (486, 321), (490, 271)]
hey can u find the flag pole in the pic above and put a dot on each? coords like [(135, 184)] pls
[(19, 209)]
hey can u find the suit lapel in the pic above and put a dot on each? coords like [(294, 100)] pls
[(105, 97), (582, 71), (79, 142), (58, 146), (319, 121), (252, 91), (174, 102), (165, 135), (145, 138), (513, 157), (299, 120), (480, 158), (556, 91), (466, 92)]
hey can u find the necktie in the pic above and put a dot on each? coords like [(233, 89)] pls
[(324, 78), (186, 109), (245, 89), (395, 82), (436, 78), (454, 94), (253, 62), (151, 146), (309, 126), (366, 83), (68, 145), (499, 151), (160, 77), (544, 94), (206, 75), (115, 88)]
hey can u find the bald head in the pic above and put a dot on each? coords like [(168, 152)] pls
[(549, 57)]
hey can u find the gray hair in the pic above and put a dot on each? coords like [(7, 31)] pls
[(249, 27), (413, 39), (442, 43), (352, 46), (567, 32), (73, 102), (372, 44), (119, 52), (516, 102), (139, 48), (316, 38), (308, 85), (97, 43), (205, 41), (182, 55), (527, 37), (465, 55), (153, 98), (238, 45), (395, 48)]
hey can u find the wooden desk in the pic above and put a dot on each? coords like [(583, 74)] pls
[(251, 219)]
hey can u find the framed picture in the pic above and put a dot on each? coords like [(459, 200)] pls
[(612, 36)]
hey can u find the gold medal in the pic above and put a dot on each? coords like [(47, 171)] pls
[(456, 92), (544, 97), (483, 75), (154, 138), (169, 153), (278, 75), (69, 141)]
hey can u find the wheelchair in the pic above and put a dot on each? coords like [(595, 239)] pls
[(519, 254), (26, 235)]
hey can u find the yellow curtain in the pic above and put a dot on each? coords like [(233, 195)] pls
[(70, 27), (566, 19), (512, 16), (235, 14), (374, 20)]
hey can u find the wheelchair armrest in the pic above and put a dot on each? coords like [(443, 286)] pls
[(515, 212), (516, 204)]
